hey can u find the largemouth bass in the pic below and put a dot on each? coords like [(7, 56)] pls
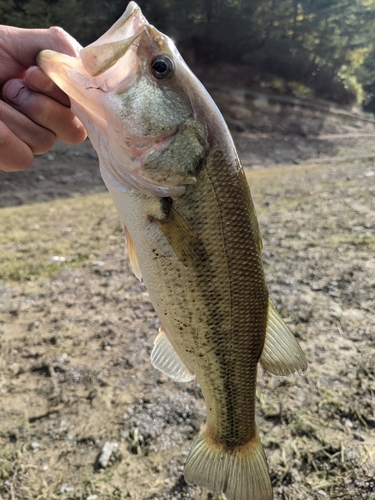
[(170, 164)]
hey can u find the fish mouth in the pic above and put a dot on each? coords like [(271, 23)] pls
[(93, 66), (104, 53)]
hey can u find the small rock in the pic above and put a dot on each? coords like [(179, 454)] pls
[(350, 455), (105, 453), (65, 488), (31, 326), (34, 445), (62, 359), (14, 368), (57, 258), (98, 263), (296, 477)]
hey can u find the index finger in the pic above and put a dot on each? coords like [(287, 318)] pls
[(37, 80)]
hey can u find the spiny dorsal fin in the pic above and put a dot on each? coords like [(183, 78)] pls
[(281, 354), (166, 359), (185, 243), (132, 255)]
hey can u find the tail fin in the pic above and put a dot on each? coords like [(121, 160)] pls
[(241, 474)]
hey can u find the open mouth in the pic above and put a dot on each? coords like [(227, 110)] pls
[(101, 55)]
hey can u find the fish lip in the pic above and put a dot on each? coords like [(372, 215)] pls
[(130, 9)]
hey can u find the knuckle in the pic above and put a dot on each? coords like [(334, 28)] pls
[(63, 42), (57, 32), (42, 110)]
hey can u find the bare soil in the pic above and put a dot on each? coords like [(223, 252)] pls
[(77, 328)]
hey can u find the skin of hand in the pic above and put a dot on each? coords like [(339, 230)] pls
[(34, 112)]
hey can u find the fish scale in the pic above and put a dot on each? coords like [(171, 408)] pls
[(170, 164)]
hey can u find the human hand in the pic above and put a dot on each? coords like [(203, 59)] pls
[(34, 112)]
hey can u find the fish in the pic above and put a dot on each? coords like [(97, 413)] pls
[(169, 162)]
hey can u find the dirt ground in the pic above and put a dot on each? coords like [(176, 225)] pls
[(77, 329)]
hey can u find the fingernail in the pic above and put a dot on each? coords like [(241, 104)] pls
[(16, 92)]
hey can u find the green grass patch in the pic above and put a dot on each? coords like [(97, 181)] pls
[(37, 241)]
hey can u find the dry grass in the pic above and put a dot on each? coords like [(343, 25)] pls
[(76, 337), (76, 230)]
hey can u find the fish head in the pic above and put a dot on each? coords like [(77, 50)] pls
[(147, 115)]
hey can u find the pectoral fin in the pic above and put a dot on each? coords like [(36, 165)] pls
[(166, 359), (281, 354), (185, 243), (132, 255)]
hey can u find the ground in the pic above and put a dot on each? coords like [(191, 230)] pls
[(77, 329)]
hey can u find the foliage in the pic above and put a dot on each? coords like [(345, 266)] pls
[(326, 45)]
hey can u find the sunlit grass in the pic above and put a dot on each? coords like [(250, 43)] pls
[(39, 240)]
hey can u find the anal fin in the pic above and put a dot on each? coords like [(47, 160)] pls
[(166, 359), (281, 354), (132, 255)]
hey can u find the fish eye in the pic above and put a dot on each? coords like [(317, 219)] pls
[(162, 67)]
